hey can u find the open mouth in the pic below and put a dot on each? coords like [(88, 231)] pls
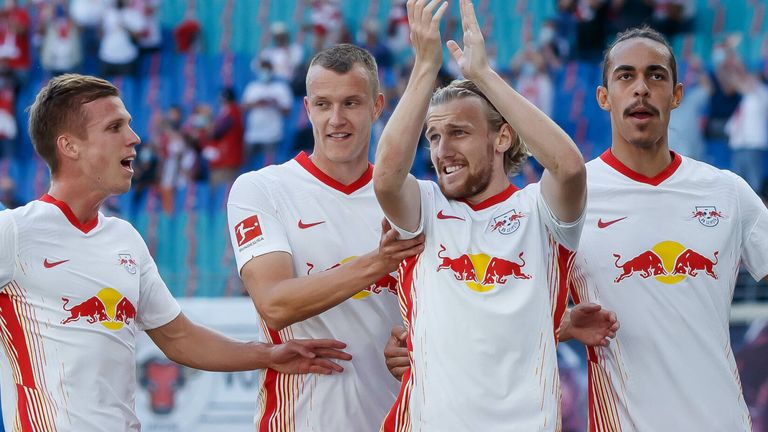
[(450, 169), (127, 163), (339, 135)]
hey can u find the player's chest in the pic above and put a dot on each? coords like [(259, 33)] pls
[(98, 283), (655, 239)]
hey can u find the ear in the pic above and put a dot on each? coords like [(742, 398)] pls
[(306, 104), (67, 147), (677, 95), (602, 98), (378, 106), (504, 138)]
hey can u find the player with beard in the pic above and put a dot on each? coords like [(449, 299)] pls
[(484, 297)]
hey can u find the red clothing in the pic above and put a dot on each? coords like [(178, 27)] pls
[(228, 138), (20, 25)]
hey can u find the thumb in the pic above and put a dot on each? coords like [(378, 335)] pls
[(454, 49)]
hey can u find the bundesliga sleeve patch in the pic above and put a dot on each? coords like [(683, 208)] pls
[(247, 230)]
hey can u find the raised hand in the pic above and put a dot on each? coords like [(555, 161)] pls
[(392, 250), (425, 29), (473, 59), (302, 356), (590, 324)]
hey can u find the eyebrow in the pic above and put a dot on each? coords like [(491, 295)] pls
[(462, 125), (651, 68)]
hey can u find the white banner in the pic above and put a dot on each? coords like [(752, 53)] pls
[(173, 398)]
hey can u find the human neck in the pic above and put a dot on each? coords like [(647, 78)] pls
[(343, 172), (84, 202), (648, 161), (498, 184)]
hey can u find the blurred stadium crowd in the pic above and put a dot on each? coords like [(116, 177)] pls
[(215, 89)]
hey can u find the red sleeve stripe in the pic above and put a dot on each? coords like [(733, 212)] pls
[(278, 392), (603, 414)]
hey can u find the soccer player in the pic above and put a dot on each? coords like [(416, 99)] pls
[(305, 237), (77, 286), (482, 300), (662, 242)]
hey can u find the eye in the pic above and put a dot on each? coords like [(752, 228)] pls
[(624, 76), (657, 76), (433, 139), (352, 103), (459, 133), (321, 104)]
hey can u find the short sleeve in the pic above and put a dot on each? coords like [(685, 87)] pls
[(427, 194), (565, 233), (156, 306), (8, 246), (253, 225), (284, 96), (754, 226)]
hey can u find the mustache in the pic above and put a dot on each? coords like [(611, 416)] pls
[(640, 104)]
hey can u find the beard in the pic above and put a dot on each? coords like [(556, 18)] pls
[(476, 182)]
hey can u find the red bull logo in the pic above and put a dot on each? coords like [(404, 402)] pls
[(481, 272), (708, 216), (127, 262), (388, 283), (507, 223), (108, 307), (668, 262)]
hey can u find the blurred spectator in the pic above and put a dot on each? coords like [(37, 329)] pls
[(8, 126), (149, 37), (725, 98), (552, 46), (753, 368), (686, 124), (187, 33), (591, 25), (266, 102), (171, 145), (747, 129), (326, 23), (61, 48), (8, 195), (626, 14), (88, 15), (225, 150), (672, 17), (532, 78), (565, 27), (146, 169), (284, 56), (15, 36), (117, 52)]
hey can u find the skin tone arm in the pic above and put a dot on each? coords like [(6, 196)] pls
[(283, 299), (563, 183), (396, 190), (199, 347), (588, 323)]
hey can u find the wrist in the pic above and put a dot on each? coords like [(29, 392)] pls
[(485, 78), (423, 66)]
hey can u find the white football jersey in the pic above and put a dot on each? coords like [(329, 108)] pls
[(664, 253), (482, 303), (73, 297), (296, 208)]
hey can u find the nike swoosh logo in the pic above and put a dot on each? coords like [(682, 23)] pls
[(601, 224), (48, 264), (441, 215), (302, 225)]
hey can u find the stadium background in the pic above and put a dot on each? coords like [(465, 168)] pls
[(550, 50)]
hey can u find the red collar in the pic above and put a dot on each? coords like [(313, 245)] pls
[(304, 160), (656, 180), (70, 215), (492, 201)]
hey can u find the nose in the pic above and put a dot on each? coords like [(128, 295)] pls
[(133, 138), (641, 88), (337, 117), (444, 148)]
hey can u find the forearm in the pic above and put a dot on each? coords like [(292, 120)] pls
[(548, 143), (296, 299), (564, 332), (199, 347), (397, 149)]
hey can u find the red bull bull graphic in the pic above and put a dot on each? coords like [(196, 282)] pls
[(388, 283), (481, 272), (507, 223), (668, 262), (108, 307)]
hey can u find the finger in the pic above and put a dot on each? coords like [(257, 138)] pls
[(327, 364), (322, 343), (471, 18), (402, 337), (399, 372), (396, 352), (397, 331), (302, 350), (319, 370), (333, 354), (398, 362), (588, 307), (427, 12), (439, 14), (409, 8), (454, 50)]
